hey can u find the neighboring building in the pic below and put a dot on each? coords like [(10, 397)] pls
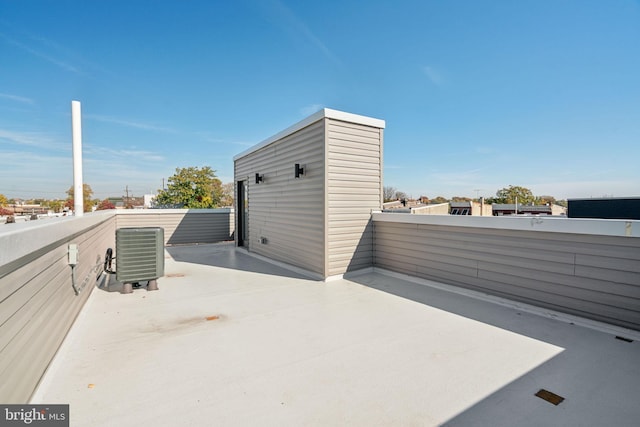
[(26, 209), (435, 209), (148, 200), (417, 209), (471, 208), (127, 202), (310, 189), (605, 208), (510, 209), (392, 206)]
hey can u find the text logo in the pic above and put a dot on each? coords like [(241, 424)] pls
[(34, 415)]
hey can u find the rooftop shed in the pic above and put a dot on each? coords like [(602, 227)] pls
[(305, 195)]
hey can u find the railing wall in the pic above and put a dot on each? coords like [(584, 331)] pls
[(38, 304), (589, 268), (182, 226)]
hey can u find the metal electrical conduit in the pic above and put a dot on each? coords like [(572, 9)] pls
[(96, 269)]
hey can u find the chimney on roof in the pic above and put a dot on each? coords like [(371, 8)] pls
[(76, 137)]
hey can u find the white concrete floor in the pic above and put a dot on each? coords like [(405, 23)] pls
[(282, 350)]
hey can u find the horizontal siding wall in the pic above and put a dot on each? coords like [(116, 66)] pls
[(593, 276), (37, 302), (182, 226), (287, 212), (354, 188)]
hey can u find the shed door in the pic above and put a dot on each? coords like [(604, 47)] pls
[(242, 202)]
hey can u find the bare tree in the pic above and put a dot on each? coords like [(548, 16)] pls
[(388, 193), (227, 194), (399, 195)]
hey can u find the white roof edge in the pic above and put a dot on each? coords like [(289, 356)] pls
[(353, 118), (322, 114), (604, 227)]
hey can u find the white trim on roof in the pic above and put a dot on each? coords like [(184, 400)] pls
[(322, 114), (604, 227)]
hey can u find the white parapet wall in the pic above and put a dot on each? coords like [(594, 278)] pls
[(603, 227), (585, 267), (38, 300)]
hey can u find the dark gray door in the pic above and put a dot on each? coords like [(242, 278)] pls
[(242, 202)]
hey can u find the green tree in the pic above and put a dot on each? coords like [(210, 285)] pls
[(3, 200), (509, 195), (439, 200), (55, 205), (87, 192), (543, 200), (192, 188), (460, 199)]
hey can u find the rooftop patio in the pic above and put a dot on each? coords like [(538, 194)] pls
[(230, 339), (372, 319)]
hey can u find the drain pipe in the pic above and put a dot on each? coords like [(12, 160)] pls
[(76, 135)]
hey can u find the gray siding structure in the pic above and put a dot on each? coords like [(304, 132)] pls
[(590, 269), (321, 221), (182, 226), (354, 190), (37, 302)]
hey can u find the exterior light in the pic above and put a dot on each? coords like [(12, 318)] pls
[(299, 170), (259, 178)]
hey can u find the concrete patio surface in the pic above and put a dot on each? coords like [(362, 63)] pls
[(231, 340)]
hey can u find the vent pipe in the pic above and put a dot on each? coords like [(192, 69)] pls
[(76, 135)]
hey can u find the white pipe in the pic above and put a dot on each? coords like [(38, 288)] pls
[(76, 134)]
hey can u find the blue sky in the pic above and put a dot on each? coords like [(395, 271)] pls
[(477, 95)]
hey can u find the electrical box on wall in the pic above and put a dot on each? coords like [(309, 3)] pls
[(73, 254)]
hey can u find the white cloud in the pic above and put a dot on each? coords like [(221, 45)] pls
[(434, 75), (56, 61), (25, 174), (297, 26), (122, 154), (32, 139), (129, 123), (587, 188), (17, 98)]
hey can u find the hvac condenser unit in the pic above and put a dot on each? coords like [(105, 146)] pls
[(139, 254)]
